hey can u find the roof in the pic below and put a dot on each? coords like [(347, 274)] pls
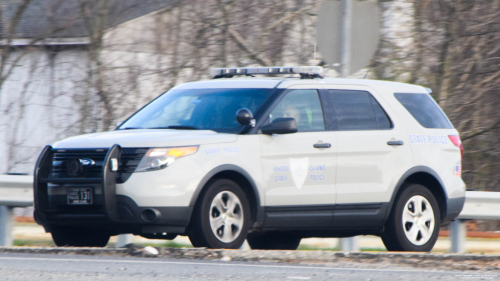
[(41, 17), (231, 83), (285, 82)]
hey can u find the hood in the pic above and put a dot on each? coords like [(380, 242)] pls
[(146, 138)]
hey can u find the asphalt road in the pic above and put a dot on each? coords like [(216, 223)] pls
[(73, 267)]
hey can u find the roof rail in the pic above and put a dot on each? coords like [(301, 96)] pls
[(306, 72)]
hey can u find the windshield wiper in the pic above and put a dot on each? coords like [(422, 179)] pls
[(177, 127)]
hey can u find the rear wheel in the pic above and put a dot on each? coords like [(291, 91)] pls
[(414, 222), (222, 217), (79, 237), (273, 241)]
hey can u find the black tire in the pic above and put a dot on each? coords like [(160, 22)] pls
[(79, 237), (273, 241), (410, 226), (212, 225)]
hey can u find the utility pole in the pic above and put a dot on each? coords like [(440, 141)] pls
[(347, 244), (345, 52)]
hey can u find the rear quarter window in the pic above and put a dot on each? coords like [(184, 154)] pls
[(425, 110)]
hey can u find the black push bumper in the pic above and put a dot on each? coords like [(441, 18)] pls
[(108, 182), (118, 213)]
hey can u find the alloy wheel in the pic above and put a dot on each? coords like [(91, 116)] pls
[(226, 216), (418, 220)]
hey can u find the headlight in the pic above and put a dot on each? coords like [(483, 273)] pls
[(160, 158)]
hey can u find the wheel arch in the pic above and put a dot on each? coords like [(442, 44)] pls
[(427, 177), (243, 179)]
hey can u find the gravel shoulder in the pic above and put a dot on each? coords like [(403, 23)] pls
[(327, 258)]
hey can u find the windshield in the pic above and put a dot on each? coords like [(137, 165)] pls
[(197, 109)]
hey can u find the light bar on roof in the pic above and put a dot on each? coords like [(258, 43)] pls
[(217, 72)]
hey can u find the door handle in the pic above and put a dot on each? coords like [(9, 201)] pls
[(399, 142), (322, 145)]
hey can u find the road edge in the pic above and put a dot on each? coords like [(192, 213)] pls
[(330, 258)]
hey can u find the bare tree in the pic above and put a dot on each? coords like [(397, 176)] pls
[(21, 64), (94, 14), (17, 142), (455, 51), (6, 64)]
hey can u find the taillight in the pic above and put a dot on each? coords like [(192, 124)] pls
[(458, 143)]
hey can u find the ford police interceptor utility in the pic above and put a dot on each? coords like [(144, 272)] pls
[(271, 160)]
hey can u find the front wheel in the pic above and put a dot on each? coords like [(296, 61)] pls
[(222, 218), (414, 222)]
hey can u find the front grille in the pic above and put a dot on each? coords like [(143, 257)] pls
[(129, 159)]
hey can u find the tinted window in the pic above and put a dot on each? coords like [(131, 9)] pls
[(208, 109), (425, 110), (357, 110), (302, 105)]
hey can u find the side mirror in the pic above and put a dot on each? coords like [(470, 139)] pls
[(245, 117), (280, 126)]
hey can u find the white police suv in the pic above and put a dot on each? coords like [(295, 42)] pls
[(270, 160)]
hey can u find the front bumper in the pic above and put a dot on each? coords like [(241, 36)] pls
[(116, 213)]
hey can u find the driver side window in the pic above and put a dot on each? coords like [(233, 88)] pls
[(302, 105)]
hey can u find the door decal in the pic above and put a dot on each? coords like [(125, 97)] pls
[(299, 168)]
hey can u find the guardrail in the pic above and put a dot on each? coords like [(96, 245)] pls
[(479, 205), (17, 191)]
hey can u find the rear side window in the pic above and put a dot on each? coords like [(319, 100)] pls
[(425, 110), (356, 110)]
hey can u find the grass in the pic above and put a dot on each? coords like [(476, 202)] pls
[(337, 249), (50, 243), (373, 249), (170, 244), (34, 242), (310, 248), (167, 244)]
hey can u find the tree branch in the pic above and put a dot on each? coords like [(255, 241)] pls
[(494, 126), (262, 60)]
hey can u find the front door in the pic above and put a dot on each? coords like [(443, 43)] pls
[(299, 168)]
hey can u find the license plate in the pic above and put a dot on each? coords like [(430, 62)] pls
[(80, 196)]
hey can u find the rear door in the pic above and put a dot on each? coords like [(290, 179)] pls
[(371, 154)]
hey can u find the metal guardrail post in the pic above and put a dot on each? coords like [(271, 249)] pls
[(6, 221), (349, 244), (245, 246), (124, 239), (458, 234)]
